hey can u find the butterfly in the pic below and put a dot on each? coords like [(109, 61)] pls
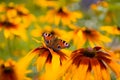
[(53, 42)]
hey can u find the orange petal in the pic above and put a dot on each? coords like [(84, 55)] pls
[(96, 68), (88, 75), (82, 70), (115, 67), (104, 71)]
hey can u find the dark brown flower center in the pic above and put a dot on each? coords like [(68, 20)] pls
[(89, 53), (10, 7), (118, 28), (62, 13), (20, 13), (87, 31), (7, 24), (7, 70), (7, 73)]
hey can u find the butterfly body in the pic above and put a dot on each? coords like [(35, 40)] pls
[(53, 42)]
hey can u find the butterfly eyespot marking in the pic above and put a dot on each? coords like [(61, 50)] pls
[(45, 34), (58, 46), (49, 34), (47, 42), (66, 44), (63, 41)]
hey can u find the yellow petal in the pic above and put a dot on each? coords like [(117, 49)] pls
[(7, 33), (40, 62), (57, 20), (105, 38)]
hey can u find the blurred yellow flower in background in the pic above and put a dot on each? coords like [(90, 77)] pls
[(61, 15), (100, 3), (12, 70), (19, 12), (91, 61), (10, 28), (113, 30), (84, 35), (14, 19)]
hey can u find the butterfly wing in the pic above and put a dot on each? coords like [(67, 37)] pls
[(48, 38), (63, 44), (60, 44), (53, 42)]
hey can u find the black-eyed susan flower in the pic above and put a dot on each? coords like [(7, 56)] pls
[(61, 15), (14, 20), (113, 30), (50, 56), (50, 60), (91, 61), (92, 36), (12, 70), (25, 15), (11, 28), (19, 12)]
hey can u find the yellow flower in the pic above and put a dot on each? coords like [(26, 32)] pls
[(19, 12), (12, 70), (11, 28), (91, 61), (92, 36), (50, 60), (114, 30), (26, 17), (61, 15), (14, 19)]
